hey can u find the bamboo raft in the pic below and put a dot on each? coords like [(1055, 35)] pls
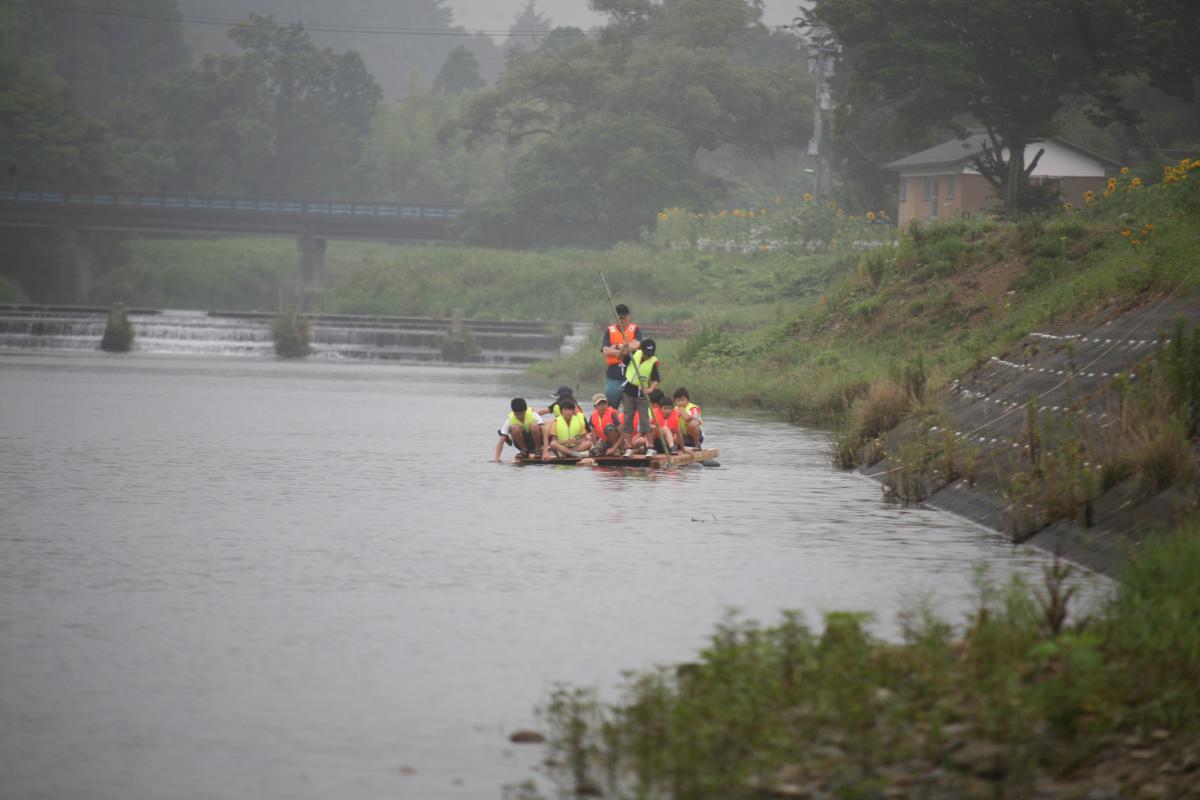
[(657, 461)]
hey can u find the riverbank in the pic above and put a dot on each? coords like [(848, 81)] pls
[(663, 286), (1026, 696)]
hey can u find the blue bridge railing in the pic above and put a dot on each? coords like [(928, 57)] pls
[(186, 202)]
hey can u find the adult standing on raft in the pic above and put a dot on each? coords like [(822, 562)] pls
[(619, 342)]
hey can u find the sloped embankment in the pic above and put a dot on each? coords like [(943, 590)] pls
[(1064, 440)]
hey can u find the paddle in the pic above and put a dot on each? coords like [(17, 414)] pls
[(662, 441)]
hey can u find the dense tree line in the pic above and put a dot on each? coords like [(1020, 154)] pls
[(560, 134), (613, 124)]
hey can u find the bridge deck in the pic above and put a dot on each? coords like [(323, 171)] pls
[(204, 214)]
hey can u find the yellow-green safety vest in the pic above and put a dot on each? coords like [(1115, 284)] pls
[(637, 365), (685, 414), (566, 431), (530, 420)]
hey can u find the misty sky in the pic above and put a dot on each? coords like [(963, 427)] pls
[(497, 15)]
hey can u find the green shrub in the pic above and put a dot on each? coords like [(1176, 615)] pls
[(290, 333), (11, 291), (118, 331), (1155, 622)]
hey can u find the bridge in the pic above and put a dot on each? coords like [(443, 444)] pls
[(312, 223)]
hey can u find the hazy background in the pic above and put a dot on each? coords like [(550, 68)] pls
[(490, 15)]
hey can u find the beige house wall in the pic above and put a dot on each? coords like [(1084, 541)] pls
[(978, 194), (974, 195), (917, 206), (1073, 189)]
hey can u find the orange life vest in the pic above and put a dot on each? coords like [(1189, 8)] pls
[(600, 421), (657, 416), (616, 339)]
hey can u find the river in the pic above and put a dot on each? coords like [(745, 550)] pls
[(228, 578)]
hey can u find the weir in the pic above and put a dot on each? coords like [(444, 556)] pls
[(334, 336)]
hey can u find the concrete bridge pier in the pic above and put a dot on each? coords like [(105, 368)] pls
[(310, 252), (75, 265)]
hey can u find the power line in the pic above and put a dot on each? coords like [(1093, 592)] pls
[(318, 27)]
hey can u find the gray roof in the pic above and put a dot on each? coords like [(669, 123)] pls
[(959, 151)]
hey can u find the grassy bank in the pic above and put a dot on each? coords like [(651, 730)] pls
[(363, 278), (1028, 696), (947, 297)]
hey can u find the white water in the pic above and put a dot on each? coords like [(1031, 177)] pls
[(176, 332)]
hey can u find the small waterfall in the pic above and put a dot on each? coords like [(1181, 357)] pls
[(28, 327)]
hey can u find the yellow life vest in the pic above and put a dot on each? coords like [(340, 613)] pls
[(530, 420), (568, 431), (644, 367), (685, 414)]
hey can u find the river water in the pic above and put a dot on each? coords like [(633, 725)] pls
[(247, 578)]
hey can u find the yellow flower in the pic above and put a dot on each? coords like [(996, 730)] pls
[(724, 214), (1149, 226), (871, 215), (737, 212), (1135, 242), (762, 212), (750, 213), (1127, 232), (808, 198), (832, 204), (662, 216), (882, 214), (1136, 183), (1108, 193), (1124, 170), (1067, 206), (1089, 195), (778, 199)]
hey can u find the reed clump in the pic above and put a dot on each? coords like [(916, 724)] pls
[(290, 333), (118, 331)]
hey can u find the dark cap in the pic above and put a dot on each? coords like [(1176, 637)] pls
[(622, 310), (561, 392), (648, 347)]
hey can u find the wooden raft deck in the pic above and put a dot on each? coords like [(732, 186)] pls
[(658, 461)]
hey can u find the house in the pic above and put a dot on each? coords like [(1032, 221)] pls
[(942, 182)]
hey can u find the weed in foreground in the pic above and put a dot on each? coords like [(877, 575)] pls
[(1026, 688)]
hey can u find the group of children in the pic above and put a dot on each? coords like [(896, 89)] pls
[(564, 430)]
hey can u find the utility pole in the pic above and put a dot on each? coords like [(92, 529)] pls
[(822, 55)]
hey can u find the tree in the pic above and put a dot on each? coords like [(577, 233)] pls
[(527, 24), (459, 74), (103, 53), (279, 117), (44, 138), (1167, 45), (392, 40), (1009, 65), (674, 72)]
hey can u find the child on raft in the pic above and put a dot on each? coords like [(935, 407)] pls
[(522, 429)]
